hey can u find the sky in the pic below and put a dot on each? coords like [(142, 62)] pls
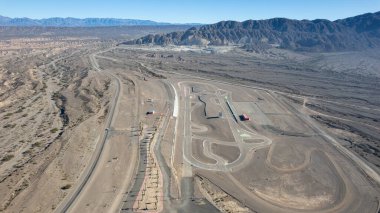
[(189, 11)]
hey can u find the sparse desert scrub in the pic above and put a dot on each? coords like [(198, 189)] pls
[(54, 130), (66, 186), (7, 157)]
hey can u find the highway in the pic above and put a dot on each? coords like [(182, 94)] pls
[(70, 198)]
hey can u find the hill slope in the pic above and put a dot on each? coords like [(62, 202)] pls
[(359, 32)]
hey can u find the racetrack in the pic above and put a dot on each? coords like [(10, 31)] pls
[(281, 160)]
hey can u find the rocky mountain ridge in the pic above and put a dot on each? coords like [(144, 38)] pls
[(355, 33)]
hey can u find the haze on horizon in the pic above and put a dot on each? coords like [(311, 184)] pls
[(195, 11)]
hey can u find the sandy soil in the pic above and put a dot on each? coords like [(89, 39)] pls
[(300, 170), (49, 123), (311, 145)]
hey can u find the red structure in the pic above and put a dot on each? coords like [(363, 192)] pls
[(244, 117), (150, 112)]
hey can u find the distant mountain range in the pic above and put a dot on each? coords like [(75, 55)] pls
[(75, 22), (355, 33)]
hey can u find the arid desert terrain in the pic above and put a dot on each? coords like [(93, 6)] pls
[(88, 124)]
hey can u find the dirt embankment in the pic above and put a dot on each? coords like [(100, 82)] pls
[(51, 108)]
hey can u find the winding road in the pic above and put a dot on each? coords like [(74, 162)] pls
[(70, 199)]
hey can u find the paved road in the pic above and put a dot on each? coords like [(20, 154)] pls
[(165, 170), (266, 89), (358, 161), (69, 200), (221, 165), (187, 202)]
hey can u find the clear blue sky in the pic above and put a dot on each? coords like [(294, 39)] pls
[(186, 11)]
